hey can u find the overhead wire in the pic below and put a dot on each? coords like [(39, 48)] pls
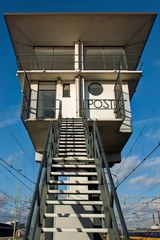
[(138, 165), (146, 202), (132, 147), (16, 177), (17, 171), (136, 140), (6, 176), (6, 125), (13, 198), (7, 195)]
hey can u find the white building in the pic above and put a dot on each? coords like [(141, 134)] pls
[(79, 63)]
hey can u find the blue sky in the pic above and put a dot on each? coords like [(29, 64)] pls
[(16, 148)]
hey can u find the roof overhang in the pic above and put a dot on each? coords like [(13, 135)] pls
[(129, 30)]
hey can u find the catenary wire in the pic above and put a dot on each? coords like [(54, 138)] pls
[(16, 177), (138, 165), (17, 171)]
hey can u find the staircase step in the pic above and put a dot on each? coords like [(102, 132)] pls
[(73, 215), (72, 150), (69, 124), (69, 202), (73, 166), (74, 192), (69, 141), (67, 129), (68, 145), (79, 230), (62, 173), (85, 159), (72, 120), (72, 128), (70, 135), (68, 154), (76, 182), (72, 139)]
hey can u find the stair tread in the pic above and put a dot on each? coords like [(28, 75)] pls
[(71, 142), (62, 173), (65, 154), (72, 146), (73, 158), (79, 215), (73, 153), (73, 166), (75, 127), (76, 182), (74, 191), (72, 128), (72, 149), (85, 230), (73, 202)]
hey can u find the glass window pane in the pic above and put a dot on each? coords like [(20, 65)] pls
[(66, 90), (46, 100), (54, 58), (47, 86)]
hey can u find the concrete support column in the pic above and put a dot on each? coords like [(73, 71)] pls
[(77, 85), (79, 56), (76, 58), (58, 95)]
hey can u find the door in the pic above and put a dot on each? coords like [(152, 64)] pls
[(46, 104)]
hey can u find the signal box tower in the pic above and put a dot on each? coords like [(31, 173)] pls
[(78, 73)]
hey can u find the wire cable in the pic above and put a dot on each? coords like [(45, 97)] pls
[(16, 177), (133, 145), (134, 169), (17, 171), (6, 125)]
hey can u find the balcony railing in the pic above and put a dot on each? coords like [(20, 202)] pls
[(111, 62), (85, 62), (45, 62)]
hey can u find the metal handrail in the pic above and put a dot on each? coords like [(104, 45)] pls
[(96, 150), (50, 150), (100, 155)]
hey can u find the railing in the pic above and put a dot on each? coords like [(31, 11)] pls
[(111, 62), (109, 196), (46, 62), (35, 218), (32, 109), (121, 110), (86, 62), (26, 96), (119, 98)]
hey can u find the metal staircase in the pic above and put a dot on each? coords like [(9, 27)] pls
[(79, 193), (73, 198)]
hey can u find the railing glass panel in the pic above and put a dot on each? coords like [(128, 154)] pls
[(48, 58), (104, 58)]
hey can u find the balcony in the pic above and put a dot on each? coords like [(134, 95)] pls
[(77, 62), (47, 62), (111, 62)]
